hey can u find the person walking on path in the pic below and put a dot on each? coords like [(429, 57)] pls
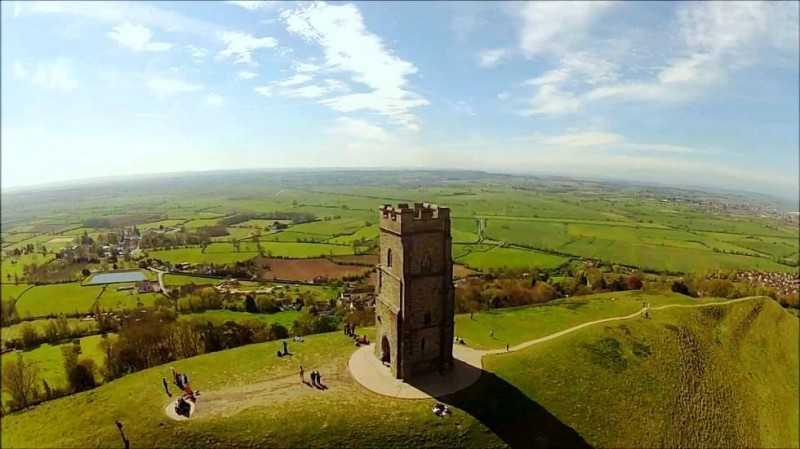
[(302, 374), (166, 386), (506, 347)]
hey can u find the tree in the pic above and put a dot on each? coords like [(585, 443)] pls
[(29, 335), (681, 287), (63, 326), (19, 380), (81, 376), (634, 282), (51, 331), (85, 272), (250, 304)]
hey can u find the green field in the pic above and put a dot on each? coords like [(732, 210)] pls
[(177, 279), (8, 291), (224, 252), (713, 377), (50, 362), (111, 299), (200, 223), (15, 330), (509, 257), (44, 300), (10, 266), (330, 227), (156, 224)]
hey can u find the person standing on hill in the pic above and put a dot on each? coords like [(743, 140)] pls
[(302, 374), (166, 386), (285, 348), (491, 332)]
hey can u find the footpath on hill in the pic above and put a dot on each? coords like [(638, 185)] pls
[(232, 400)]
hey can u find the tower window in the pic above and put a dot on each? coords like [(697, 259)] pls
[(389, 258), (426, 264), (427, 318), (422, 345)]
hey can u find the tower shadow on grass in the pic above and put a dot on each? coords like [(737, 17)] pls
[(511, 415)]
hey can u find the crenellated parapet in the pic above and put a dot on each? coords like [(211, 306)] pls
[(420, 218)]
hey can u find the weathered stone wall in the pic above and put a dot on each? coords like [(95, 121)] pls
[(418, 283), (386, 326)]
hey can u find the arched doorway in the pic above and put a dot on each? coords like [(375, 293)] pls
[(386, 351)]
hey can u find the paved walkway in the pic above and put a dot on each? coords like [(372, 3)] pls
[(367, 370)]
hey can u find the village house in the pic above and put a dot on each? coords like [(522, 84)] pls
[(148, 286)]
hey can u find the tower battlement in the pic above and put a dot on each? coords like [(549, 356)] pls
[(422, 217)]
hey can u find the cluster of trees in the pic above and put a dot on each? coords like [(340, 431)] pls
[(235, 219), (174, 239), (158, 336), (59, 329), (8, 312), (29, 248), (721, 287), (514, 288)]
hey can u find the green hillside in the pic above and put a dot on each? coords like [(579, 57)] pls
[(720, 375)]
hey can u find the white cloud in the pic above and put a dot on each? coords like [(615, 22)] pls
[(242, 45), (213, 99), (169, 86), (246, 75), (147, 14), (198, 53), (556, 26), (287, 87), (490, 58), (137, 38), (55, 75), (294, 80), (350, 47), (264, 90), (502, 96), (304, 67), (252, 5), (361, 129), (549, 100), (582, 140), (19, 70)]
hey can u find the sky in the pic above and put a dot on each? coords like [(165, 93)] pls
[(688, 94)]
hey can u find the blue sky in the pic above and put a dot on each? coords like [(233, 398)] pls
[(702, 94)]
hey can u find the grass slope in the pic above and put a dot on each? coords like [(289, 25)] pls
[(719, 376)]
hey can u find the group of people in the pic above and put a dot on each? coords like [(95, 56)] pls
[(350, 329), (316, 378), (441, 410), (181, 380), (645, 310)]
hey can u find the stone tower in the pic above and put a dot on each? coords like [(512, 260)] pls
[(414, 310)]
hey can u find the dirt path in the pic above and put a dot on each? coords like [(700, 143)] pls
[(230, 401), (604, 320)]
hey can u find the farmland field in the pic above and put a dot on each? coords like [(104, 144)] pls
[(511, 258), (305, 270), (44, 300)]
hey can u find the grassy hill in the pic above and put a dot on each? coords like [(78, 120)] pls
[(719, 376), (715, 376)]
